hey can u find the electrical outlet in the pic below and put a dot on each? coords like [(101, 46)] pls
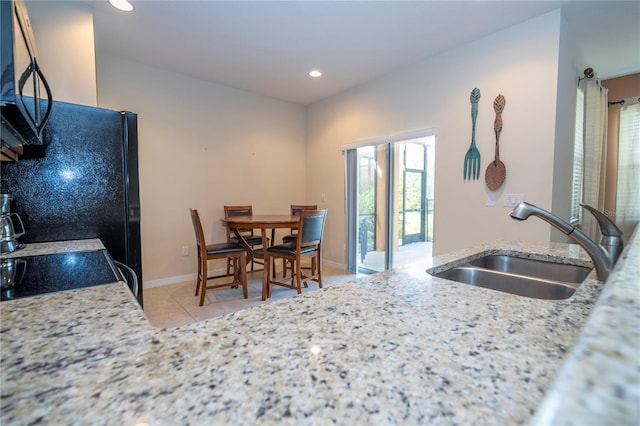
[(491, 200), (185, 251), (323, 197)]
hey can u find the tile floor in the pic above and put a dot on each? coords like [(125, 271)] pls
[(175, 305)]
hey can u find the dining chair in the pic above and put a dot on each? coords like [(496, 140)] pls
[(308, 245), (295, 211), (254, 241), (232, 251)]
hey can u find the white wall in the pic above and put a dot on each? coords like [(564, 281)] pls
[(521, 63), (64, 35), (202, 145), (565, 129)]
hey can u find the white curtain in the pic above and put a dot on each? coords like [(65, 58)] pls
[(628, 191), (578, 159), (595, 142)]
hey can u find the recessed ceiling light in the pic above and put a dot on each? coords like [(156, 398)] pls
[(123, 5), (315, 73)]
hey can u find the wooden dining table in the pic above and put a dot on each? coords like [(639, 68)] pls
[(263, 222)]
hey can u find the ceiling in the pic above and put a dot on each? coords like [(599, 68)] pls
[(268, 47)]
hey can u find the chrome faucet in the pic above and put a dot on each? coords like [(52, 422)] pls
[(603, 255)]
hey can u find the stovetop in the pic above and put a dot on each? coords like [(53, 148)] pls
[(53, 273)]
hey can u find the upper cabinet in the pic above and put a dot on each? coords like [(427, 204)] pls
[(26, 96)]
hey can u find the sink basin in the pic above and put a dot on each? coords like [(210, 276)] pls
[(534, 278), (533, 268), (508, 283)]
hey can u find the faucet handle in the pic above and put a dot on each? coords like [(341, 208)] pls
[(607, 227)]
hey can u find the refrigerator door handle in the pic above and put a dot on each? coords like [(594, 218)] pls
[(129, 276)]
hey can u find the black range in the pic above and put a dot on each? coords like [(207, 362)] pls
[(53, 273)]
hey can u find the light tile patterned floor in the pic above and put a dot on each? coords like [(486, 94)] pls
[(176, 304)]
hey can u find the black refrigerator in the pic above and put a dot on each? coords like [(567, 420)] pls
[(82, 182)]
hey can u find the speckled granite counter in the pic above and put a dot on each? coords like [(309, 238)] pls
[(397, 347), (600, 381)]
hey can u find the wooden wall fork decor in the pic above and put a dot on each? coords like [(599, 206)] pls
[(472, 157)]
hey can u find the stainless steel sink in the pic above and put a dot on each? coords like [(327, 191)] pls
[(520, 276), (508, 283), (533, 268)]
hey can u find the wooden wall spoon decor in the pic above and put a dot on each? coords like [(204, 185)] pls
[(496, 171)]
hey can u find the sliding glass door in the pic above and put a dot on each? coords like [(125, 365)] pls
[(390, 203), (412, 197)]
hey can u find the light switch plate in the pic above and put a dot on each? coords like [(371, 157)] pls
[(512, 200)]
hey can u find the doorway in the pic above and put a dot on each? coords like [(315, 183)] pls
[(412, 186), (390, 202)]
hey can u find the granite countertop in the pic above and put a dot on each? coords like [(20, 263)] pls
[(397, 347)]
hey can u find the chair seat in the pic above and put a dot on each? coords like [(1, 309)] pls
[(221, 248), (289, 238), (251, 240), (290, 249)]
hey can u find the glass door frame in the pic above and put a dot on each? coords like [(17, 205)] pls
[(352, 188), (422, 210)]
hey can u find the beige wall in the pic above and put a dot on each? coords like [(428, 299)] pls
[(520, 63), (202, 145), (64, 34)]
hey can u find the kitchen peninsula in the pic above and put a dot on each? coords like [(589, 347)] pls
[(397, 347)]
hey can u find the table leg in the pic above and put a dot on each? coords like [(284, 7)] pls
[(244, 244), (267, 265)]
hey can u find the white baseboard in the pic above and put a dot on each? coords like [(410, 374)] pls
[(336, 265), (192, 277), (170, 280)]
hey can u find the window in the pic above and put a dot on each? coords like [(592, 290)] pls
[(578, 159), (628, 195)]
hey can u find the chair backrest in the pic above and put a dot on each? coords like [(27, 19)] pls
[(297, 208), (233, 211), (311, 228), (197, 227)]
